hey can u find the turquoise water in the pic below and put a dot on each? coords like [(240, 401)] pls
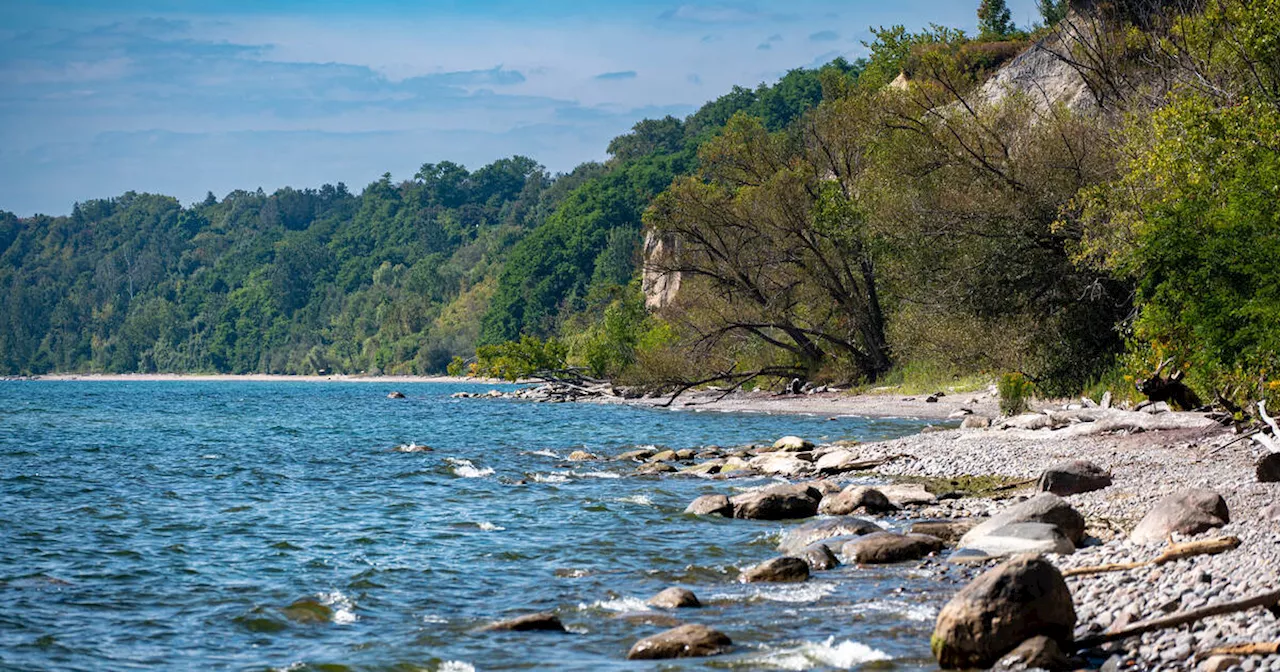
[(170, 525)]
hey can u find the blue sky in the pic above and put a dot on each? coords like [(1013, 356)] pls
[(180, 97)]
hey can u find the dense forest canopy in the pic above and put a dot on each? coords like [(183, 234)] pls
[(924, 208)]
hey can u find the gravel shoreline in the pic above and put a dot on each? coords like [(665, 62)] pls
[(1145, 468)]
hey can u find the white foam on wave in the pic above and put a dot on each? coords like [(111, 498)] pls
[(595, 474), (912, 612), (550, 478), (210, 456), (639, 500), (434, 619), (343, 607), (465, 469), (489, 527), (809, 655), (621, 605), (789, 593), (545, 453), (456, 666)]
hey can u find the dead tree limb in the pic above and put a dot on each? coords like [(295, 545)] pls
[(1174, 552), (1269, 600), (1254, 649), (1261, 438)]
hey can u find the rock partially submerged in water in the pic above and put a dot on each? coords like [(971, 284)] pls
[(819, 557), (413, 448), (582, 456), (889, 547), (675, 598), (1005, 606), (544, 621), (396, 395), (710, 505), (687, 641), (797, 538), (779, 502), (777, 570)]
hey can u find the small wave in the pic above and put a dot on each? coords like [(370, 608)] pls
[(550, 478), (640, 500), (210, 456), (342, 607), (912, 612), (622, 605), (788, 593), (434, 619), (808, 655), (545, 453), (489, 527), (595, 474), (456, 666), (465, 469)]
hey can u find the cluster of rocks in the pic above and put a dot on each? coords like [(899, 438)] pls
[(556, 392), (1022, 613), (688, 640)]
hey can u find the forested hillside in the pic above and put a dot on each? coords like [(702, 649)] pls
[(402, 277)]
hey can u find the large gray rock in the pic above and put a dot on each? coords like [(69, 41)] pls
[(792, 444), (785, 569), (1018, 599), (907, 494), (819, 557), (710, 505), (675, 598), (544, 621), (788, 465), (840, 461), (887, 547), (853, 498), (779, 502), (1190, 511), (797, 538), (1019, 538), (1045, 507), (1073, 477), (687, 641)]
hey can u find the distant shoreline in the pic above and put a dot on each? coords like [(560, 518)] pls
[(257, 377)]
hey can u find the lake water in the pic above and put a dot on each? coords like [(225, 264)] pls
[(170, 525)]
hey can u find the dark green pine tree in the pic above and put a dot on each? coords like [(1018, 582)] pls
[(995, 21)]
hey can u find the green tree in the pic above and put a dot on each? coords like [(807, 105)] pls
[(995, 21), (1053, 11)]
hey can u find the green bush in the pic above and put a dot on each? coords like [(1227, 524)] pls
[(1015, 392), (514, 360)]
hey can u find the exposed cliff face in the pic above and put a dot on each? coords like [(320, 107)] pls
[(660, 286), (1043, 76)]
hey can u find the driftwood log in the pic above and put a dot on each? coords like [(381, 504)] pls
[(1174, 552), (1269, 600)]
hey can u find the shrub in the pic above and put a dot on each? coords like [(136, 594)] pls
[(1015, 392)]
